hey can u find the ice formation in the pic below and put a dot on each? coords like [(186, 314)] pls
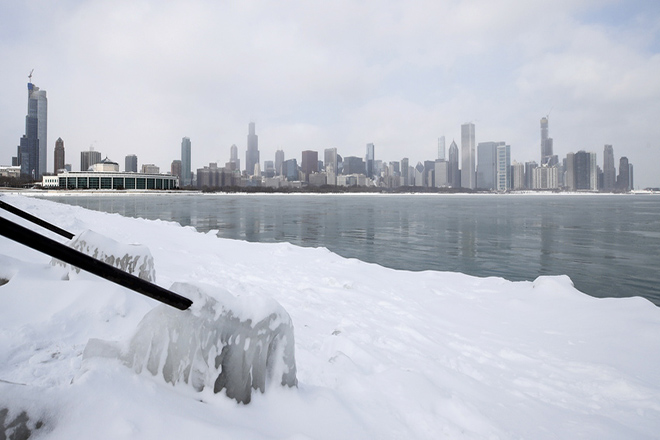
[(135, 259), (226, 343)]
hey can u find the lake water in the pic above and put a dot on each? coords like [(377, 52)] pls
[(608, 244)]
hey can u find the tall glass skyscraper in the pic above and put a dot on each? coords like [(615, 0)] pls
[(33, 157), (369, 159), (468, 175), (58, 156), (609, 171), (186, 167), (252, 153)]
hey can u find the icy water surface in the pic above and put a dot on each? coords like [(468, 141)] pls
[(608, 244)]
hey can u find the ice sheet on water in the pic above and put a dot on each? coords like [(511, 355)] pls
[(135, 259), (227, 343)]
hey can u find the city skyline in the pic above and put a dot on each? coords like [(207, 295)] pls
[(397, 80)]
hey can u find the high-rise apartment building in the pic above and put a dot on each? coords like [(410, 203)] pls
[(503, 168), (186, 163), (454, 174), (468, 175), (58, 156), (131, 164), (89, 158), (252, 153), (369, 160), (609, 171), (32, 156), (517, 176)]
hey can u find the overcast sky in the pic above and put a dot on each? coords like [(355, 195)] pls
[(136, 76)]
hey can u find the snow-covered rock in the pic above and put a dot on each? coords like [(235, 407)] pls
[(220, 342), (135, 259)]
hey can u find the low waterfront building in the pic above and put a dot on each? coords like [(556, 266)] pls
[(110, 180)]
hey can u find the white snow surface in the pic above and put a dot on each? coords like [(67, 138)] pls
[(380, 353)]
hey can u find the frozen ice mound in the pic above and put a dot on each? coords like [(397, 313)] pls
[(236, 344), (135, 259)]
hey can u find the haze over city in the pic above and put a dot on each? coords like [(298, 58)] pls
[(135, 77)]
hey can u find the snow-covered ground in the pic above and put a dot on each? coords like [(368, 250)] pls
[(380, 353)]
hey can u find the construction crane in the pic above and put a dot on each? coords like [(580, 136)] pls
[(30, 75)]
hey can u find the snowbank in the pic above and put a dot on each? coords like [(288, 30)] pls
[(380, 353)]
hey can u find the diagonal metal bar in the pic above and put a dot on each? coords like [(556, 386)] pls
[(27, 216), (69, 255)]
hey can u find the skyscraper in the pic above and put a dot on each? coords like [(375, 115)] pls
[(405, 179), (233, 157), (279, 160), (252, 153), (623, 181), (186, 165), (453, 174), (369, 160), (441, 148), (609, 171), (503, 168), (130, 164), (330, 159), (58, 156), (468, 175), (310, 163), (33, 145), (546, 143), (487, 165)]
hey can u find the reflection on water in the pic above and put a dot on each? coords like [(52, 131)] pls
[(608, 245)]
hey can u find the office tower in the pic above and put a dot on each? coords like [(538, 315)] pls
[(369, 160), (89, 158), (290, 169), (279, 160), (440, 173), (186, 164), (609, 171), (175, 168), (487, 165), (441, 148), (405, 164), (454, 173), (269, 168), (130, 164), (58, 156), (623, 181), (252, 153), (354, 165), (517, 176), (503, 168), (32, 156), (585, 171), (330, 159), (546, 143), (310, 163), (233, 158), (468, 175)]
